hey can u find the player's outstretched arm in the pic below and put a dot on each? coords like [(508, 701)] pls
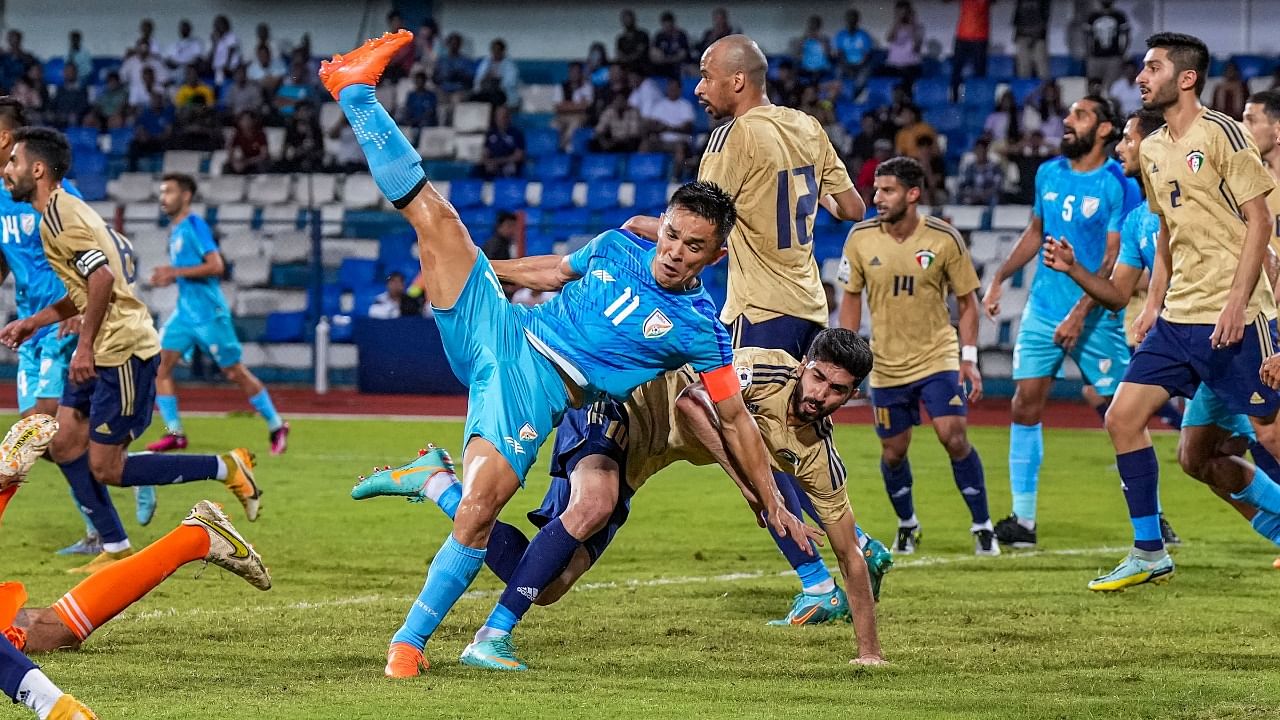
[(844, 540), (851, 311), (1027, 247), (645, 226), (697, 413), (544, 273), (1229, 329), (1113, 294), (1069, 329), (16, 332)]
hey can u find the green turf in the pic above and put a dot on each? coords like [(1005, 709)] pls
[(1016, 637)]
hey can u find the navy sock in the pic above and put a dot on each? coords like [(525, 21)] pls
[(1171, 415), (897, 482), (94, 499), (1264, 460), (1140, 475), (13, 667), (810, 568), (972, 485), (167, 469), (547, 556), (506, 546), (1102, 409)]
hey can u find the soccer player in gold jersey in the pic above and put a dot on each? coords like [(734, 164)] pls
[(1262, 120), (906, 265)]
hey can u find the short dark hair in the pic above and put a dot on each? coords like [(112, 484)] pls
[(395, 274), (667, 16), (907, 171), (843, 348), (504, 216), (1268, 99), (1105, 111), (48, 146), (1187, 52), (707, 200), (1150, 121), (13, 114), (183, 180)]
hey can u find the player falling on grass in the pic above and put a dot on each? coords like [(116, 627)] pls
[(202, 318), (1081, 196), (1205, 180), (606, 451), (629, 310), (1210, 432), (779, 166), (907, 265), (108, 399)]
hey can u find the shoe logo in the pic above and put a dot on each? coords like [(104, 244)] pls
[(602, 275), (103, 429), (238, 549), (515, 445), (971, 491), (1256, 399), (530, 594), (527, 433), (656, 325), (802, 619), (835, 601)]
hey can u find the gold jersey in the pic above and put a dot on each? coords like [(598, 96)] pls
[(906, 284), (657, 437), (77, 241), (1273, 205), (777, 163), (1197, 184)]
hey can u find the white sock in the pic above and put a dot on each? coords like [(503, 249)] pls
[(115, 547), (909, 522), (863, 539), (38, 692), (222, 468), (981, 526), (822, 588), (438, 483), (1028, 524), (488, 633)]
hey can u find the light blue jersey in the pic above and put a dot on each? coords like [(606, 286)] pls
[(199, 299), (36, 285), (1138, 237), (1083, 208), (618, 328)]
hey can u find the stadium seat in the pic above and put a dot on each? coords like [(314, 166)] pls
[(275, 141), (1010, 217), (849, 115), (945, 118), (1074, 87), (571, 220), (602, 194), (510, 193), (932, 92), (143, 214), (360, 192), (1000, 67), (557, 195), (550, 167), (1061, 66), (285, 327), (580, 144), (364, 297), (82, 138), (965, 217), (438, 143), (90, 168), (539, 142), (469, 148), (598, 166), (223, 189), (264, 301), (1252, 66), (643, 167), (650, 195), (251, 271), (118, 141), (355, 273), (182, 161), (281, 217), (290, 246), (132, 187), (539, 98), (879, 91), (465, 194), (538, 243), (980, 92), (315, 188), (471, 117), (270, 189), (1022, 89)]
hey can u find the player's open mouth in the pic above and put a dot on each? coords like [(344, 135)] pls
[(669, 270)]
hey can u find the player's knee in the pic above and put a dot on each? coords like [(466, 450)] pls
[(956, 443), (1121, 424), (1191, 461), (106, 471), (892, 455), (586, 516)]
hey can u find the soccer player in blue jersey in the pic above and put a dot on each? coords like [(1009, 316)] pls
[(1081, 196), (202, 318), (627, 311)]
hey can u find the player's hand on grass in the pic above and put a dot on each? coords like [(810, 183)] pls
[(787, 525), (970, 374), (991, 301), (1270, 372), (163, 276), (82, 368), (16, 333), (1229, 329), (70, 326), (1068, 331), (1058, 254)]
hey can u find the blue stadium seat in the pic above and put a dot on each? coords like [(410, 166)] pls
[(581, 139), (533, 217), (120, 139), (466, 193), (285, 327), (557, 195), (364, 297), (650, 195), (980, 92), (508, 193), (394, 249), (90, 173), (480, 222), (538, 243), (598, 166), (330, 299), (1022, 89), (975, 118), (642, 167), (572, 220), (1065, 66), (53, 71), (82, 138), (540, 141), (1252, 66), (849, 114), (551, 167), (602, 194), (687, 86), (341, 329), (879, 91), (999, 67), (932, 92), (356, 273), (612, 218), (945, 118)]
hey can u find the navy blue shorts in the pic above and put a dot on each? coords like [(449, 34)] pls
[(1178, 357), (898, 408), (118, 401), (597, 429), (792, 334)]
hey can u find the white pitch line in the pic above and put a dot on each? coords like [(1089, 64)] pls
[(606, 585)]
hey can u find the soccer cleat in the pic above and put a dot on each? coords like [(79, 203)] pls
[(87, 545), (404, 661), (280, 439), (1133, 570), (908, 539), (985, 543), (1276, 563), (144, 501), (809, 609), (240, 481), (364, 65), (493, 654), (407, 480), (169, 441), (103, 559), (879, 562), (23, 445), (69, 708), (1167, 534), (1011, 533), (227, 548)]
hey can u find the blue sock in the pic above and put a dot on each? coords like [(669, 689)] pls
[(449, 499), (394, 163), (94, 499), (548, 554), (1268, 525), (506, 546), (451, 572), (1262, 493), (1026, 451), (862, 536), (89, 529), (972, 485), (1140, 478), (897, 482), (168, 406), (262, 403), (13, 667), (167, 469), (1264, 460), (810, 568)]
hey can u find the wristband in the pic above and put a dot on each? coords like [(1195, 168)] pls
[(969, 353)]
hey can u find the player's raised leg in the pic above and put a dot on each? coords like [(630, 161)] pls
[(175, 437), (70, 450)]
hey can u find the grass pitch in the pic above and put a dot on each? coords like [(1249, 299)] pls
[(670, 624)]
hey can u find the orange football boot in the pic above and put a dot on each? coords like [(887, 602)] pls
[(404, 661), (364, 65)]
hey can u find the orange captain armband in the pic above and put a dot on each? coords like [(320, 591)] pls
[(721, 383)]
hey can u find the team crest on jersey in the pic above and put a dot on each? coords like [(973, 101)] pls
[(656, 325), (28, 223), (1104, 365), (527, 433), (924, 259), (788, 457), (744, 376), (1090, 206), (1195, 161)]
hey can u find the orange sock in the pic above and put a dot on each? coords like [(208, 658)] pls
[(6, 495), (104, 594)]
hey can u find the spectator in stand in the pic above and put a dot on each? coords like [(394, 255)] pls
[(152, 131), (303, 142), (297, 89), (812, 103), (503, 151), (973, 41), (893, 117), (197, 126), (240, 95), (632, 46), (864, 143), (785, 88), (70, 102), (247, 151), (1031, 38), (421, 106), (670, 51), (905, 39), (78, 56), (981, 178), (573, 108), (720, 27), (1124, 91), (193, 87), (914, 129), (645, 91), (1003, 125), (814, 50), (1108, 33), (497, 78), (262, 36), (394, 302), (224, 50), (670, 122), (929, 155), (15, 60), (598, 64), (266, 70), (402, 62), (426, 47), (114, 98), (1044, 111), (505, 233), (1027, 157), (134, 70), (186, 50), (866, 180), (32, 92), (1230, 94), (853, 48), (618, 129), (140, 98), (146, 36), (454, 72)]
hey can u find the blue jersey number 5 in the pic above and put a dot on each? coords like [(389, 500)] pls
[(805, 206)]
